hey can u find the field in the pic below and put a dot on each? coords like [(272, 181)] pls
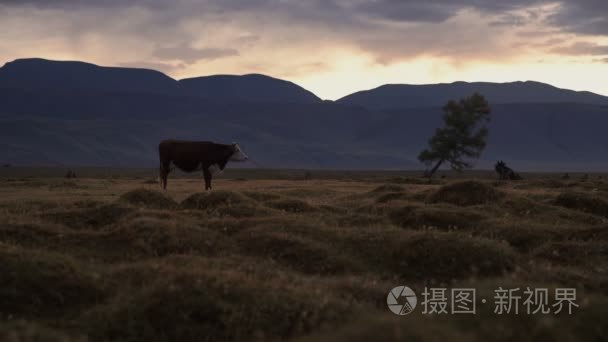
[(305, 256)]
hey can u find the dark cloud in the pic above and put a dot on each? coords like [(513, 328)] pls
[(582, 16), (582, 49)]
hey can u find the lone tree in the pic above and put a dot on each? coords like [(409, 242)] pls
[(462, 136)]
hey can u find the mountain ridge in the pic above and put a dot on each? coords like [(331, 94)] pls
[(391, 96), (46, 123)]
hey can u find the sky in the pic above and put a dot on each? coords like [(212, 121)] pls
[(331, 47)]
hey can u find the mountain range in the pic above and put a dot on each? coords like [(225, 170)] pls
[(76, 113)]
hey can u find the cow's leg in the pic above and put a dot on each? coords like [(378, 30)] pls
[(164, 172), (207, 175)]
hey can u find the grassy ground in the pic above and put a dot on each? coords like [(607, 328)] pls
[(294, 256)]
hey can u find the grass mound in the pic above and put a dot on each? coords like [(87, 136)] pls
[(447, 256), (155, 237), (388, 188), (300, 253), (242, 210), (292, 206), (261, 196), (23, 331), (213, 199), (583, 202), (212, 305), (466, 193), (35, 284), (393, 196), (412, 180), (574, 253), (90, 218), (444, 217), (65, 185), (148, 199)]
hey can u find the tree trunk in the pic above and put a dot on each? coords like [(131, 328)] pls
[(429, 174)]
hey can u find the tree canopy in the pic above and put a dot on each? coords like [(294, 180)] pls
[(462, 137)]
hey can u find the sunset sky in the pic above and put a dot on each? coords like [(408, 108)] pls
[(331, 47)]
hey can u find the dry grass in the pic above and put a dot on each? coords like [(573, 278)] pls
[(116, 259)]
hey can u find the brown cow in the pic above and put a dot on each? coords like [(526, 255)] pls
[(190, 156)]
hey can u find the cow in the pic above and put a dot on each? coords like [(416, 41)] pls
[(505, 172), (190, 156)]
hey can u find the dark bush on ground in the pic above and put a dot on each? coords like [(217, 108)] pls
[(466, 193)]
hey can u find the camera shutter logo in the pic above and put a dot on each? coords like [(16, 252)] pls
[(401, 300)]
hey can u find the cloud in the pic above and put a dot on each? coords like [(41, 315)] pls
[(582, 16), (164, 67), (582, 49), (189, 55), (231, 35)]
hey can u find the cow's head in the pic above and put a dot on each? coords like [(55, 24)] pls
[(237, 153)]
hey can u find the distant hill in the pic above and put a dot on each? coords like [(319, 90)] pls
[(393, 96), (42, 74), (69, 76), (251, 88), (75, 113)]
